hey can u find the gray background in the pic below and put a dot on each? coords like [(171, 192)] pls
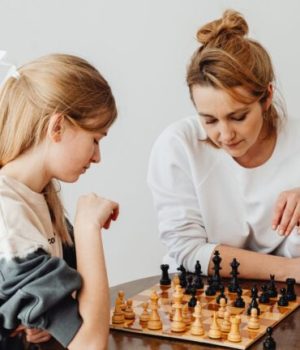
[(142, 48)]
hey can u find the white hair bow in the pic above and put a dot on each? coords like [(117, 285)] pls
[(10, 69)]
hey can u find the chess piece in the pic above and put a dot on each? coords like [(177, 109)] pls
[(216, 278), (264, 298), (193, 300), (290, 292), (178, 324), (226, 325), (210, 290), (269, 343), (253, 303), (234, 334), (253, 321), (198, 279), (239, 302), (189, 285), (186, 314), (175, 281), (121, 296), (182, 276), (222, 308), (154, 322), (234, 284), (214, 331), (144, 317), (221, 295), (118, 314), (197, 326), (272, 291), (283, 300), (129, 313), (165, 279)]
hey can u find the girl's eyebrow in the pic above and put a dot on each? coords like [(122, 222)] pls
[(238, 110)]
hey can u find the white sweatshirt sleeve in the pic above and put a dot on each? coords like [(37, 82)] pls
[(180, 222)]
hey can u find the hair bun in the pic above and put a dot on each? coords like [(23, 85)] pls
[(231, 24)]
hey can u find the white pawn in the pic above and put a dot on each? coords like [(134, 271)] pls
[(129, 313), (214, 331), (253, 321), (197, 326), (144, 317), (225, 325), (222, 308)]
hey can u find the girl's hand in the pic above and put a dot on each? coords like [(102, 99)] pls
[(92, 209), (287, 212), (33, 335)]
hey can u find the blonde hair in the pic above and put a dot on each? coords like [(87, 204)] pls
[(227, 59), (56, 83)]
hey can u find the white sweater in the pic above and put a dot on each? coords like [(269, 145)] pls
[(203, 197)]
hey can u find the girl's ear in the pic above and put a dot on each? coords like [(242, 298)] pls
[(269, 99), (56, 127)]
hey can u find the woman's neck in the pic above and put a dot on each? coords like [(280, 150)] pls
[(28, 169)]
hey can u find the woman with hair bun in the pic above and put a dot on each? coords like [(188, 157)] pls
[(228, 179), (54, 112)]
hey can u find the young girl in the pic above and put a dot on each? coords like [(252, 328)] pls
[(53, 114), (229, 178)]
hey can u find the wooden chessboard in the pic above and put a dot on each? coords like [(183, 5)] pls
[(271, 314)]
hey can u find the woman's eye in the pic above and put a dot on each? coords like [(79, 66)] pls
[(210, 121), (240, 118)]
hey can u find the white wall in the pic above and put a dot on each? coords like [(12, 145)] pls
[(142, 47)]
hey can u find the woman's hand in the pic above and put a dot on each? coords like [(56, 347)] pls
[(94, 210), (33, 335), (287, 212)]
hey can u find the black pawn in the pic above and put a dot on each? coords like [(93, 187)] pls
[(190, 286), (165, 279), (182, 276), (239, 302), (264, 297), (193, 300), (283, 300), (269, 343), (210, 290), (221, 295), (272, 291), (253, 303), (290, 292)]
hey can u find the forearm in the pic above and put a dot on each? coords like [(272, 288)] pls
[(254, 265), (94, 296)]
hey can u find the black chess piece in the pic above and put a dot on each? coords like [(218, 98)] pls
[(272, 291), (198, 279), (216, 278), (234, 283), (189, 287), (283, 300), (182, 276), (221, 295), (269, 343), (264, 297), (210, 290), (239, 302), (290, 292), (193, 300), (165, 279), (253, 303)]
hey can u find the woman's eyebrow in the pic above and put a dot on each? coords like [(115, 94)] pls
[(238, 110)]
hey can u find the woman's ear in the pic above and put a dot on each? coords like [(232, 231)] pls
[(56, 127), (269, 98)]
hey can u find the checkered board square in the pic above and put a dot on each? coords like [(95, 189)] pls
[(271, 314)]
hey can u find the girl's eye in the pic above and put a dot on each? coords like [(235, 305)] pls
[(96, 142), (210, 121), (240, 118)]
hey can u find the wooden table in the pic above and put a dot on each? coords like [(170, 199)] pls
[(286, 333)]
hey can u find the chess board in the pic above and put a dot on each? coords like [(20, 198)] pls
[(271, 314)]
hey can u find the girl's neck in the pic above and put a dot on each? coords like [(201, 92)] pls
[(28, 170)]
